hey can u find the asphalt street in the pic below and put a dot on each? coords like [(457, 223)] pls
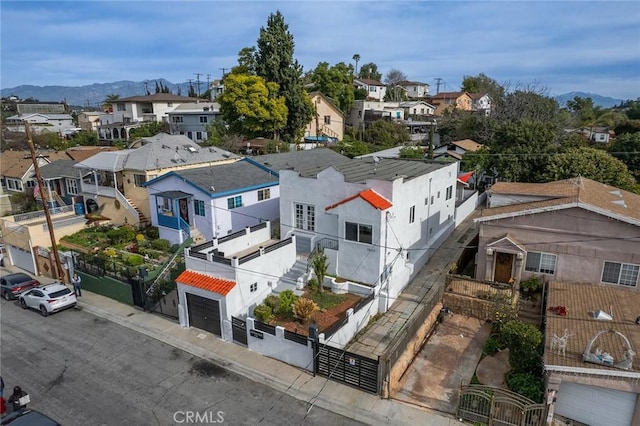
[(84, 370)]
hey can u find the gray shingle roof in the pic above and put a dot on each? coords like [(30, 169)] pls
[(298, 160), (228, 177), (163, 151), (59, 169), (361, 169)]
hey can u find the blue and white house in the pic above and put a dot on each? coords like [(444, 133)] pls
[(213, 201)]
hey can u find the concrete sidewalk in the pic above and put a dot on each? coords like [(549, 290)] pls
[(319, 391)]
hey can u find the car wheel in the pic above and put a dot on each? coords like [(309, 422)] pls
[(23, 304), (6, 296), (43, 311)]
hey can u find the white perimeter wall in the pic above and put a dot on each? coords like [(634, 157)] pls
[(280, 348)]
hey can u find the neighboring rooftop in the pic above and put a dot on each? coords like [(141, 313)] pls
[(580, 302), (206, 282), (468, 145), (16, 163), (58, 169), (298, 160), (157, 97)]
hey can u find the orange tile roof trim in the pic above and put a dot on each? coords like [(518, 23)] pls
[(370, 196), (206, 282)]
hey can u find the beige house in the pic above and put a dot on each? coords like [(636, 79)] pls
[(444, 101), (574, 230), (114, 188), (457, 149), (328, 122), (90, 120)]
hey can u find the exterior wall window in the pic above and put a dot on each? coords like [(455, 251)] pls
[(358, 232), (327, 119), (14, 184), (199, 136), (264, 194), (120, 107), (198, 207), (253, 287), (543, 263), (373, 89), (176, 119), (203, 119), (139, 180), (169, 104), (190, 135), (30, 184), (449, 193), (72, 186), (412, 214), (620, 273), (305, 217), (234, 202)]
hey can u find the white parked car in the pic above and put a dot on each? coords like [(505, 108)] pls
[(49, 298)]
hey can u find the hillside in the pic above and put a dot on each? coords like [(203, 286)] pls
[(598, 100)]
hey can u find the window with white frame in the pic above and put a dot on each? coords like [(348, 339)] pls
[(199, 136), (449, 193), (72, 186), (543, 263), (204, 119), (358, 232), (165, 204), (120, 107), (264, 194), (620, 273), (305, 216), (412, 214), (30, 183), (14, 184), (198, 207), (234, 202), (139, 180), (373, 89), (176, 119), (327, 119)]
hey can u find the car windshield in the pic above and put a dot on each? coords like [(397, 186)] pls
[(18, 279), (59, 293)]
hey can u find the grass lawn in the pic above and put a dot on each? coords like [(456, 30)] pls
[(326, 299)]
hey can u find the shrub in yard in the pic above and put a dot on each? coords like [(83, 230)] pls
[(121, 235), (152, 233), (287, 299), (273, 302), (161, 244), (263, 313), (491, 346), (523, 341), (133, 259), (304, 309), (526, 385), (313, 284)]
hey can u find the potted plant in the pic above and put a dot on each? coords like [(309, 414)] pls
[(531, 284)]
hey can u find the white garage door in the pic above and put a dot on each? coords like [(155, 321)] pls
[(21, 258), (595, 406)]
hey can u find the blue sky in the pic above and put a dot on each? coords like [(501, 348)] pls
[(590, 46)]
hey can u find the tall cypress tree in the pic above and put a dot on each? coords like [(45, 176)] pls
[(275, 63)]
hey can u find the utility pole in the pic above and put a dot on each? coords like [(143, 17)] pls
[(45, 204), (197, 74), (438, 83), (223, 71)]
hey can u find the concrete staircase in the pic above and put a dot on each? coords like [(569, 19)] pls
[(294, 279), (196, 236), (530, 311), (143, 219)]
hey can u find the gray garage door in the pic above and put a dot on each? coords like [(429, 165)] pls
[(204, 313), (21, 258), (595, 406)]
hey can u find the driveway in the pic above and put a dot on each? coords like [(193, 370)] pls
[(447, 360)]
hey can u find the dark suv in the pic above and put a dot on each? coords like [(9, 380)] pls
[(12, 285), (28, 417)]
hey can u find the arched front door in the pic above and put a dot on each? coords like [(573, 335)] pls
[(503, 267)]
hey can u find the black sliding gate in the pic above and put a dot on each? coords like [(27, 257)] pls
[(239, 330), (347, 367)]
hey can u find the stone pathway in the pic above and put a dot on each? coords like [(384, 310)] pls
[(491, 369)]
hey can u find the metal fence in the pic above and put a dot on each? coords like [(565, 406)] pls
[(488, 405)]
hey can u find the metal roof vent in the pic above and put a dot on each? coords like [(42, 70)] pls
[(616, 192), (602, 315), (620, 203)]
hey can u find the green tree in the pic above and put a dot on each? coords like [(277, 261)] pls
[(356, 59), (482, 84), (411, 152), (149, 129), (370, 70), (386, 133), (108, 102), (320, 266), (523, 341), (275, 63), (583, 111), (85, 138), (351, 147), (626, 148), (594, 164), (246, 61), (336, 83), (252, 107)]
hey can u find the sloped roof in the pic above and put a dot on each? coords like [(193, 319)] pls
[(464, 177), (157, 97), (214, 107), (327, 99), (112, 161), (297, 160), (368, 195), (411, 83), (369, 81), (206, 282), (59, 169), (15, 164), (577, 192), (468, 145), (580, 301), (448, 95), (165, 151), (80, 153), (226, 178), (387, 169)]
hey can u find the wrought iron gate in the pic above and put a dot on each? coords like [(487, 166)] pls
[(347, 367), (499, 407), (239, 330)]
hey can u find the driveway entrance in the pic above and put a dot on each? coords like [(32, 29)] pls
[(447, 360)]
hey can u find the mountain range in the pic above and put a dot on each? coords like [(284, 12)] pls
[(94, 94)]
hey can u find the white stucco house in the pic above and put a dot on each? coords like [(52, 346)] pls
[(214, 201), (374, 88), (192, 119), (378, 220), (41, 123), (414, 89), (481, 103)]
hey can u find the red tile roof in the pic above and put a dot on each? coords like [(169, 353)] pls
[(370, 196), (206, 282), (465, 177)]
